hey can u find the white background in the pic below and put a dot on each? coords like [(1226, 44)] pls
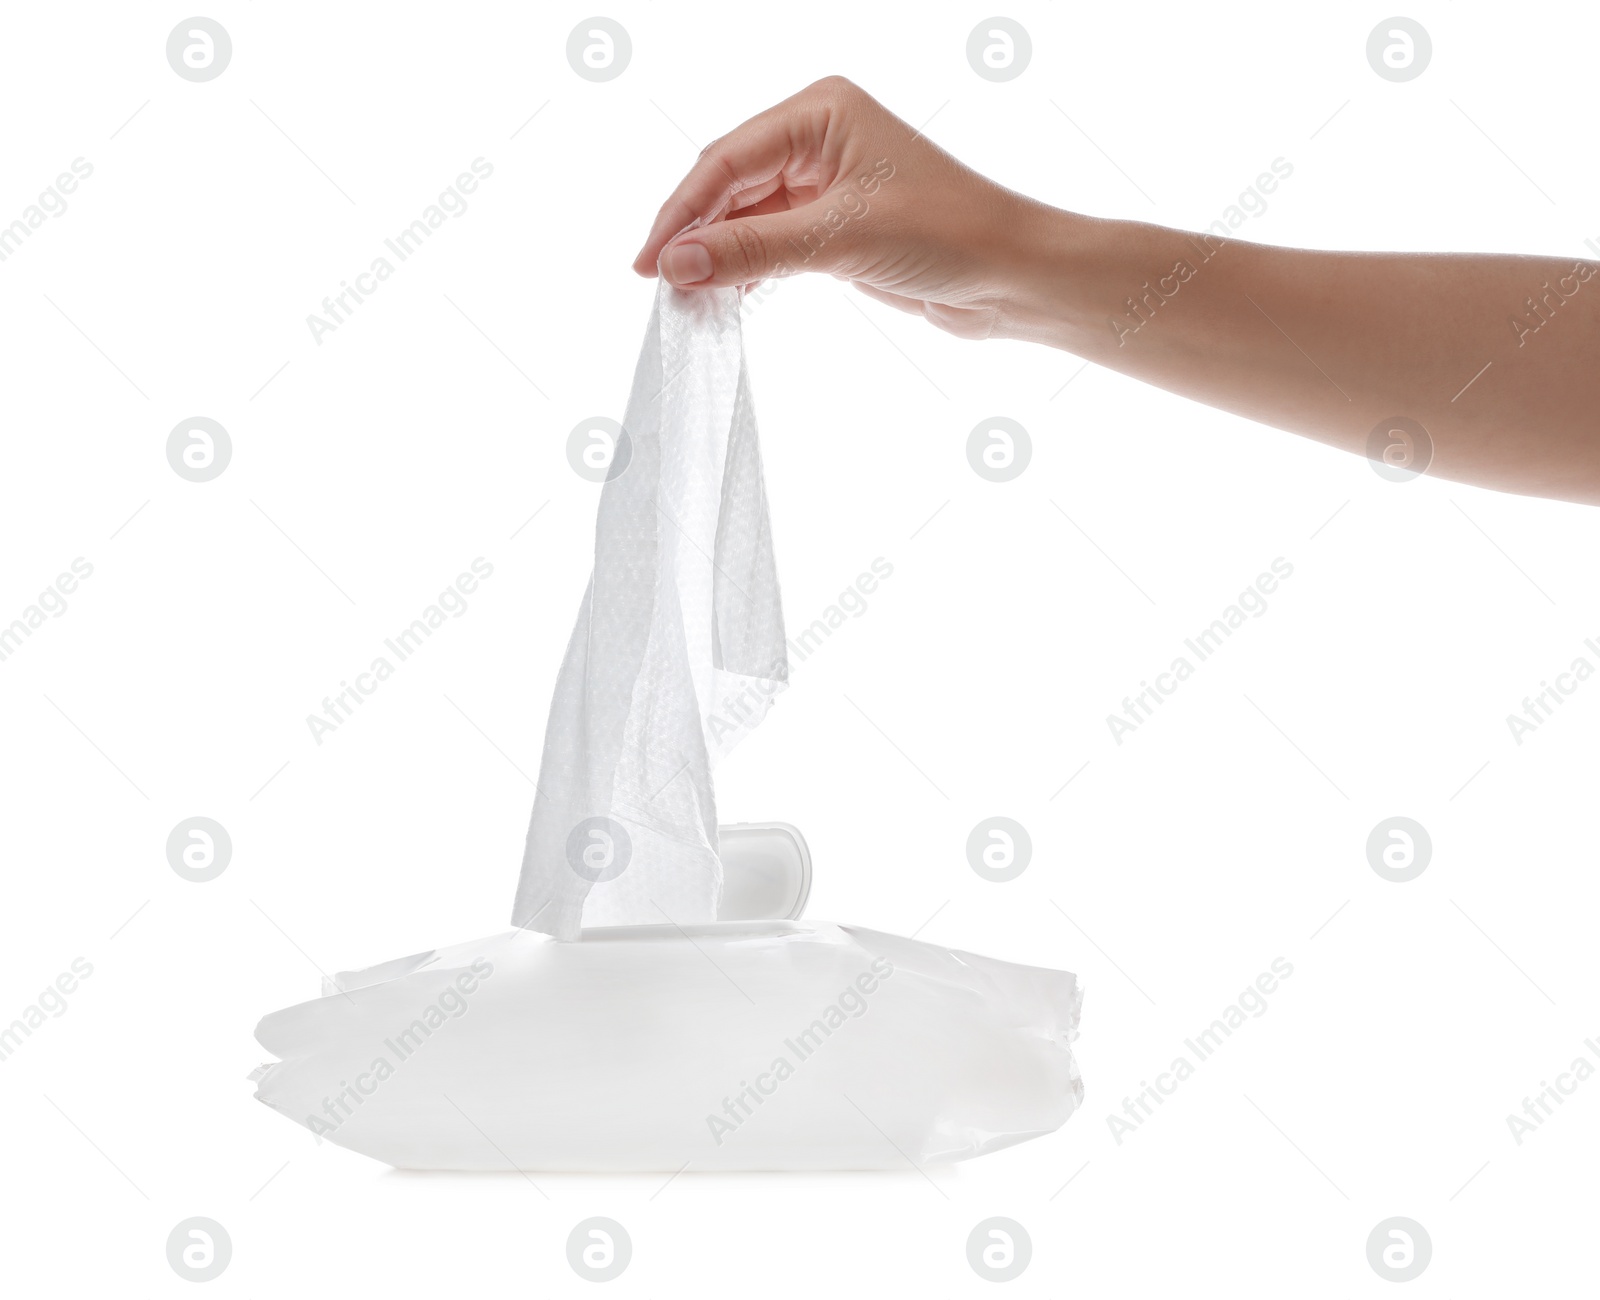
[(428, 429)]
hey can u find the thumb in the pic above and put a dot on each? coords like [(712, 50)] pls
[(742, 250)]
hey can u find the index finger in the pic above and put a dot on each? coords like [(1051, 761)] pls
[(742, 167)]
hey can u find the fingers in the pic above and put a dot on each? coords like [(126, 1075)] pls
[(750, 164), (760, 205), (752, 157), (745, 249)]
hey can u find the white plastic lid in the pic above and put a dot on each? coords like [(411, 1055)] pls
[(766, 872)]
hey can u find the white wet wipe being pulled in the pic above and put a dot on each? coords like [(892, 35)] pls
[(678, 648), (639, 1017)]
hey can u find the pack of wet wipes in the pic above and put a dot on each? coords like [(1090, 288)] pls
[(641, 1016)]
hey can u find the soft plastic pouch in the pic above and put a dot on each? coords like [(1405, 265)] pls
[(737, 1045)]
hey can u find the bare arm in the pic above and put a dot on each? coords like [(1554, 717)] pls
[(1496, 357), (1334, 345)]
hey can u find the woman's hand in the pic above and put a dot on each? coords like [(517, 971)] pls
[(830, 180)]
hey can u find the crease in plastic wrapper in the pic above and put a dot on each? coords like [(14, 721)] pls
[(679, 645)]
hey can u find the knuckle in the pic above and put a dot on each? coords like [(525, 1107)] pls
[(743, 251), (835, 87)]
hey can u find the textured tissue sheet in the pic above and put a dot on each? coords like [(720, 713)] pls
[(620, 1026), (678, 648)]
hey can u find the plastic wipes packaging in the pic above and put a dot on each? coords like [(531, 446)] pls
[(765, 1045), (623, 1025)]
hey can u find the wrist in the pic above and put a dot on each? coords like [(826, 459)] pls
[(1046, 262), (1069, 277)]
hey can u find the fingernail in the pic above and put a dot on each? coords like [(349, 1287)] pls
[(687, 263)]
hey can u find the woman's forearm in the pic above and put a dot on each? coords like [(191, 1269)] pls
[(1478, 367), (1496, 357)]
